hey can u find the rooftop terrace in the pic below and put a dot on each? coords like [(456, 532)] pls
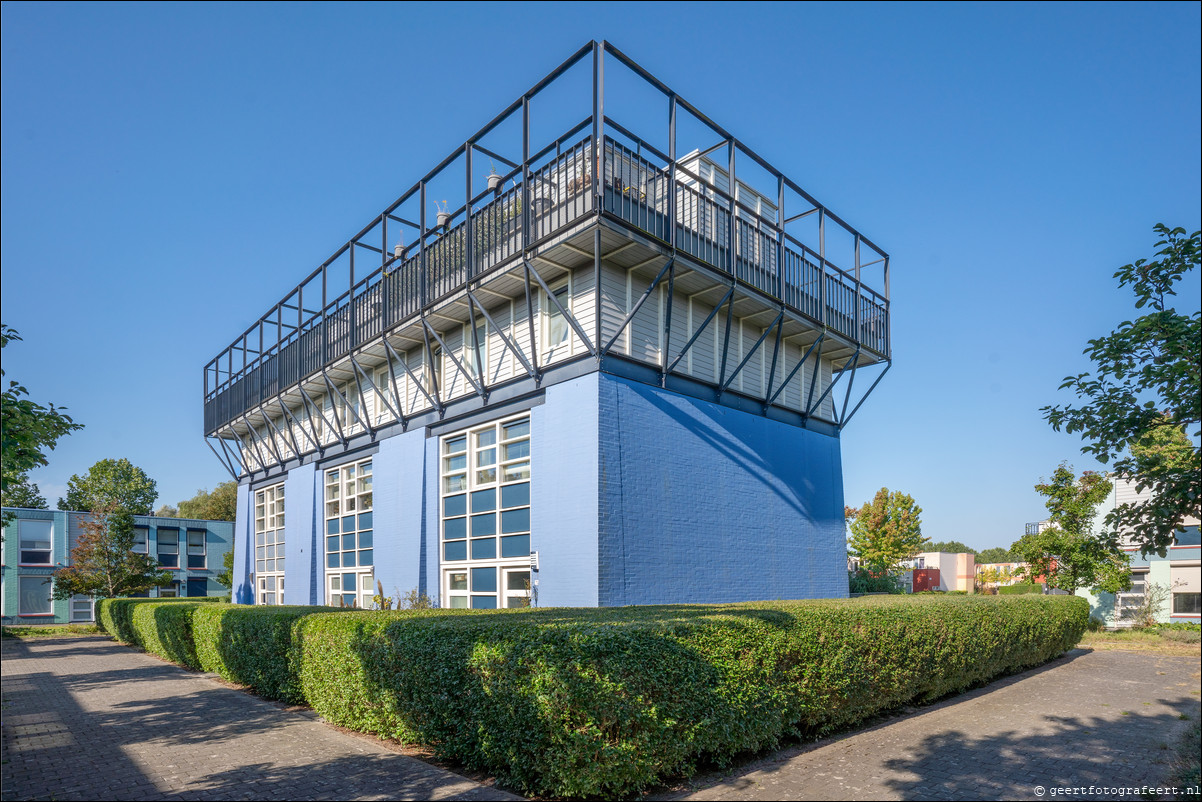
[(674, 177)]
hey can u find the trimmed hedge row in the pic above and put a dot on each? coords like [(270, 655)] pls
[(1019, 588), (252, 646), (605, 702)]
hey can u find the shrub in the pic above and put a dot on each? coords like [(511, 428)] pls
[(862, 581), (1020, 588), (115, 616), (252, 646), (605, 702)]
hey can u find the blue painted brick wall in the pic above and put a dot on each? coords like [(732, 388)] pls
[(302, 541), (564, 500), (397, 504), (244, 547), (700, 503)]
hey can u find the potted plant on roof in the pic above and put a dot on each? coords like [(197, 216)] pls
[(494, 178), (444, 216)]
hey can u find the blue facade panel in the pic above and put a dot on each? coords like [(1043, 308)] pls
[(302, 543), (430, 519), (398, 499), (564, 500), (700, 503), (243, 591)]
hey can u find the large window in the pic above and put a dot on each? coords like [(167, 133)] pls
[(141, 538), (196, 548), (1187, 604), (168, 541), (486, 515), (36, 537), (269, 545), (556, 331), (349, 554), (35, 596)]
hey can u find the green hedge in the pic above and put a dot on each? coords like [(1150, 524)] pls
[(571, 703), (252, 646), (116, 616), (606, 702), (1020, 588)]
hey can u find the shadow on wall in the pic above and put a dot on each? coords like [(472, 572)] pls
[(710, 424)]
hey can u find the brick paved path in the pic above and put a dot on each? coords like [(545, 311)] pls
[(87, 718), (1098, 718)]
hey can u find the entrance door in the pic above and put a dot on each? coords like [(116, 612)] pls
[(517, 587), (81, 609)]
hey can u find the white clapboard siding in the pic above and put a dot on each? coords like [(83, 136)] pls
[(644, 329), (583, 307), (614, 307)]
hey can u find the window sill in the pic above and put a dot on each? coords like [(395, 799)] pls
[(35, 615), (35, 565)]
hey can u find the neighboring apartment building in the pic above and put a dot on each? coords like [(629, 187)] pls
[(944, 571), (598, 378), (1179, 571), (36, 542)]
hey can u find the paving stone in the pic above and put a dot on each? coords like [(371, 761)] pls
[(85, 718), (1060, 725)]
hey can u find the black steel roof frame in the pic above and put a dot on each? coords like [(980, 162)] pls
[(598, 121)]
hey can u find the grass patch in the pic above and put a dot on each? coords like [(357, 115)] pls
[(56, 631), (1187, 767), (1162, 641)]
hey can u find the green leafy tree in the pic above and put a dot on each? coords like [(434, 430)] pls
[(996, 554), (886, 531), (220, 505), (1147, 378), (1067, 552), (226, 576), (950, 547), (103, 563), (111, 483), (24, 493), (29, 429), (166, 511)]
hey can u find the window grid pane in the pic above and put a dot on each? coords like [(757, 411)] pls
[(485, 508), (269, 546), (348, 538)]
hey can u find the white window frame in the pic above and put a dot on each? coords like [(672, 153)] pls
[(202, 552), (269, 511), (141, 540), (476, 460), (469, 356), (22, 580), (550, 351), (159, 543), (49, 541), (88, 604), (347, 493)]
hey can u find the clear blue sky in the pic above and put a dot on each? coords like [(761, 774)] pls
[(169, 171)]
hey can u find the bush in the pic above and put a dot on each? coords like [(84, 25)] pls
[(252, 646), (1020, 588), (605, 702), (862, 581), (115, 616)]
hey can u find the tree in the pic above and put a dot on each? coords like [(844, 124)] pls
[(103, 562), (24, 493), (886, 531), (950, 547), (1147, 378), (111, 483), (29, 429), (220, 505), (166, 511), (1067, 552), (226, 576), (996, 554)]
